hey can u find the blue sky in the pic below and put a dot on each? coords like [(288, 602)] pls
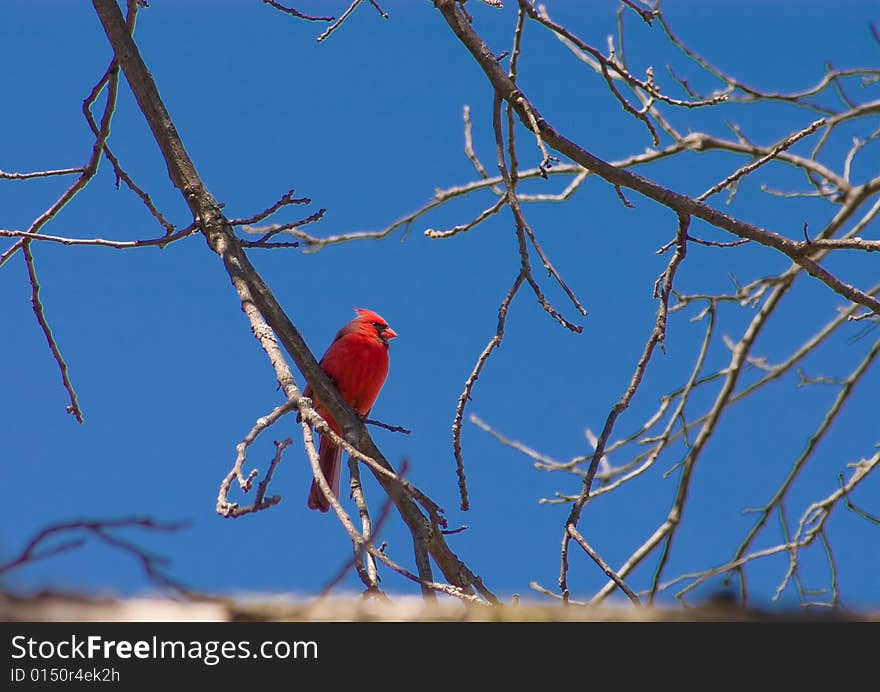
[(368, 124)]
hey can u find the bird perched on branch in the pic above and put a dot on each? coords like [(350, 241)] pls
[(357, 362)]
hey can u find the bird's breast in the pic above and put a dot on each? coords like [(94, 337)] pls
[(359, 367)]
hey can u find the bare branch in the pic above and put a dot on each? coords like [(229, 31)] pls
[(491, 211), (798, 465), (73, 408), (153, 566), (390, 428), (351, 8), (574, 533), (4, 175), (682, 204), (658, 334), (296, 13), (232, 509), (772, 154), (494, 343), (286, 199), (101, 242)]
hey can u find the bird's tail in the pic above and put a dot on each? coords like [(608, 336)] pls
[(330, 460)]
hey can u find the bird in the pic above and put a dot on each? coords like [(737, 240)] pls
[(357, 363)]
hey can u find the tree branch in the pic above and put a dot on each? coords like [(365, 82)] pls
[(254, 293), (682, 204)]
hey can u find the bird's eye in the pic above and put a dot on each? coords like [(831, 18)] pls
[(379, 325)]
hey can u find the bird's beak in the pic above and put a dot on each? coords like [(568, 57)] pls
[(388, 333)]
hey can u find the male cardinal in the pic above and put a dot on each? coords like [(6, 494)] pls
[(357, 362)]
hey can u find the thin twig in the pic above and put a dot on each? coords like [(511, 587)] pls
[(465, 396), (351, 8), (73, 408), (296, 13), (101, 242), (603, 565), (4, 175), (285, 199), (772, 154), (269, 232), (390, 428), (232, 509), (153, 565), (658, 335)]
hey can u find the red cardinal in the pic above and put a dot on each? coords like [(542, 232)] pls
[(357, 362)]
